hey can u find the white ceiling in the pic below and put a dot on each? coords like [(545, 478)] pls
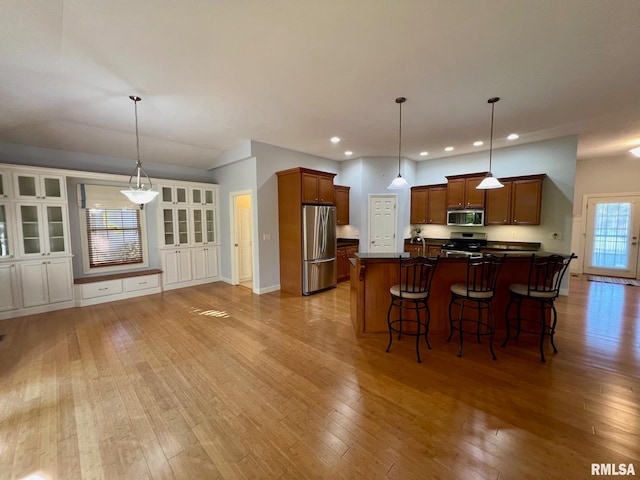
[(294, 73)]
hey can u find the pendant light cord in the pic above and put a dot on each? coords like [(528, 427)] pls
[(400, 101), (135, 105), (492, 101)]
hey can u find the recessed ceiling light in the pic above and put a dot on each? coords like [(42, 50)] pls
[(448, 149), (478, 143), (335, 139), (348, 153), (513, 136), (635, 152), (424, 154)]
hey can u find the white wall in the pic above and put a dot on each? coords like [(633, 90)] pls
[(598, 176)]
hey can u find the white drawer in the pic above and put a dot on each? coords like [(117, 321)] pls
[(140, 283), (101, 289)]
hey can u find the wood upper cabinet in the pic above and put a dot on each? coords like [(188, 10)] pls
[(317, 188), (498, 208), (341, 197), (428, 204), (462, 192), (437, 205), (419, 197), (518, 203), (526, 200)]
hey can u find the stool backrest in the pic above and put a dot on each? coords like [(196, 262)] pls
[(546, 273), (482, 273), (416, 274)]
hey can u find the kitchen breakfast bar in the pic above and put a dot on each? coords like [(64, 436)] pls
[(372, 274)]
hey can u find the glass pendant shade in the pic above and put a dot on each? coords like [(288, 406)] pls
[(635, 151), (139, 192), (489, 182), (399, 183)]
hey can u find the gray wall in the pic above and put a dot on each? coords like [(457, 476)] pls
[(237, 176)]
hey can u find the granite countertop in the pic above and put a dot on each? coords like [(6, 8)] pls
[(508, 254)]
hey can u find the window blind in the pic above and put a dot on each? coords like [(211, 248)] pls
[(114, 237)]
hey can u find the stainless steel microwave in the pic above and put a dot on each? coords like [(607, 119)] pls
[(465, 218)]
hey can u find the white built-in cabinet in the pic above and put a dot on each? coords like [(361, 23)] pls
[(4, 184), (46, 281), (8, 287), (43, 229), (39, 186), (189, 243)]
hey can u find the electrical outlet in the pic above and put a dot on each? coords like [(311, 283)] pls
[(513, 234), (555, 236)]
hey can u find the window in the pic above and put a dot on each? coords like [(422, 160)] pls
[(114, 237)]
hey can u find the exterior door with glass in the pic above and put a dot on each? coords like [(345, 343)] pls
[(611, 242)]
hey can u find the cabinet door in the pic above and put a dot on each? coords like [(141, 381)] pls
[(176, 266), (498, 211), (55, 221), (341, 196), (197, 224), (202, 196), (168, 227), (199, 263), (29, 220), (6, 232), (34, 284), (59, 280), (343, 264), (8, 287), (4, 184), (455, 193), (419, 197), (309, 188), (325, 190), (526, 199), (437, 206), (40, 187), (211, 260), (173, 195), (474, 198), (210, 225)]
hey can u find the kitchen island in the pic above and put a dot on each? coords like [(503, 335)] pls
[(372, 274)]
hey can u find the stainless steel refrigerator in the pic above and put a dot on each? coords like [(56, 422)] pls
[(319, 264)]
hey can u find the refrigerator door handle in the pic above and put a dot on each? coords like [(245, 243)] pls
[(323, 260)]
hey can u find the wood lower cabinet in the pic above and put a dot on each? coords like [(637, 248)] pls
[(518, 203), (341, 197), (344, 265), (416, 249)]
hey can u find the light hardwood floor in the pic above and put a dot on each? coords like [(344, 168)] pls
[(215, 382)]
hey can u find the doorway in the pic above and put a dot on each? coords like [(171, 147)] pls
[(242, 239), (382, 223), (611, 239)]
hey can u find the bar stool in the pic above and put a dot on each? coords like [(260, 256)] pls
[(476, 294), (541, 291), (416, 275)]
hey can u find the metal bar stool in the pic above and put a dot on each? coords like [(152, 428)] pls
[(541, 291), (476, 294), (416, 275)]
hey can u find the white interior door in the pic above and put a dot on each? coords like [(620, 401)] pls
[(611, 243), (382, 223), (244, 236), (241, 237)]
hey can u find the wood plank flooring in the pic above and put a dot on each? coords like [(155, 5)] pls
[(213, 382)]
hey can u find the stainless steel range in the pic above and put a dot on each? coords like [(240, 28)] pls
[(465, 244)]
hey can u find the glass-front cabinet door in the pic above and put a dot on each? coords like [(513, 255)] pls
[(6, 241), (39, 187), (173, 195), (43, 229), (4, 184), (175, 224), (203, 222), (202, 196)]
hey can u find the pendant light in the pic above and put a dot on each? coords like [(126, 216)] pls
[(399, 183), (140, 192), (490, 181)]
